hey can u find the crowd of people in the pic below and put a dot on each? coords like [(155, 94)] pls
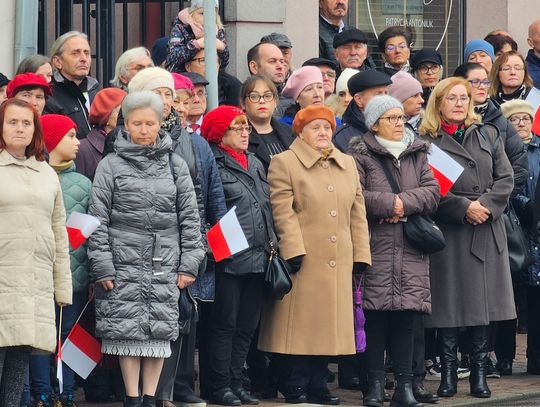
[(326, 163)]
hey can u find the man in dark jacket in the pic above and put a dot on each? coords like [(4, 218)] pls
[(72, 89), (331, 14), (533, 56), (363, 86)]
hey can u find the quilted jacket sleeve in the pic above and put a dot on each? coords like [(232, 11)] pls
[(61, 270)]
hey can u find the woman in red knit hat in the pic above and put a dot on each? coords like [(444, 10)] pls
[(239, 279), (30, 87)]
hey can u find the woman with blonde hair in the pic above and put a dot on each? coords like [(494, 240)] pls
[(470, 277), (509, 78)]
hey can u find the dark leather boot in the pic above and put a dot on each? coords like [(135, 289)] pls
[(479, 352), (420, 393), (148, 401), (132, 402), (403, 394), (448, 344), (375, 394)]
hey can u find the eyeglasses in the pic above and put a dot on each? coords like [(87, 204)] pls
[(329, 74), (508, 68), (240, 129), (256, 98), (475, 83), (454, 100), (392, 48), (517, 120), (201, 61), (427, 68), (393, 119)]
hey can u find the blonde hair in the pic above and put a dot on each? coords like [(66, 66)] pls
[(496, 68), (431, 123), (219, 23), (242, 119)]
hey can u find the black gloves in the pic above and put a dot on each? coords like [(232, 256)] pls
[(295, 263), (359, 268)]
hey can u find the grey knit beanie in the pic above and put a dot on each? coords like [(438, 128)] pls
[(378, 106)]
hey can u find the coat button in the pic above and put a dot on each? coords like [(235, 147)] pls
[(471, 164), (256, 204), (251, 183), (332, 263), (261, 227), (330, 188), (333, 213), (325, 165), (333, 239), (476, 188)]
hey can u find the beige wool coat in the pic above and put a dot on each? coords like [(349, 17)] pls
[(34, 257), (319, 212)]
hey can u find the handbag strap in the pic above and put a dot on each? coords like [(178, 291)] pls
[(393, 184)]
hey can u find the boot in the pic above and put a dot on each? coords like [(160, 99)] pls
[(448, 344), (403, 394), (375, 394), (132, 401), (479, 345), (148, 401), (420, 393)]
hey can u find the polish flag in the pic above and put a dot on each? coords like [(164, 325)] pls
[(226, 237), (445, 169), (79, 227), (81, 351), (59, 371)]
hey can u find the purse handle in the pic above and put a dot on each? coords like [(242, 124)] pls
[(393, 184)]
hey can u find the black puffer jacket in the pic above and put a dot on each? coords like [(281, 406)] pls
[(249, 191), (354, 125), (513, 146), (148, 210)]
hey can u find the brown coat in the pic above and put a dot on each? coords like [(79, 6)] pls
[(470, 279), (399, 276), (319, 212)]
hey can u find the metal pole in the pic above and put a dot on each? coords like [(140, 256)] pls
[(210, 53), (26, 24)]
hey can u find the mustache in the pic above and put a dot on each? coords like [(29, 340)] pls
[(341, 6)]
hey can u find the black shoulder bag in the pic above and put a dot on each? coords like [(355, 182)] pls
[(420, 230)]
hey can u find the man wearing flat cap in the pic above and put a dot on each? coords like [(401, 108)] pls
[(352, 50), (362, 86), (284, 44)]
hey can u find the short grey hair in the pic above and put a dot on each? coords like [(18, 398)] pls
[(141, 100), (58, 45), (124, 60)]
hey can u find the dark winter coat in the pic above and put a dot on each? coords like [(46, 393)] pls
[(355, 125), (248, 190), (257, 146), (524, 203), (68, 99), (533, 65), (228, 89), (470, 278), (398, 278), (90, 153), (148, 210), (327, 32), (513, 146)]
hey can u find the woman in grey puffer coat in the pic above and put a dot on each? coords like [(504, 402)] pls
[(147, 246)]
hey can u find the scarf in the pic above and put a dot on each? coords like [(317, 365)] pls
[(528, 139), (519, 93), (406, 67), (239, 157), (325, 153), (454, 130), (62, 167), (394, 147), (481, 109), (170, 121)]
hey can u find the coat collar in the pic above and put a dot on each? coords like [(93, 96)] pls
[(309, 157), (7, 159)]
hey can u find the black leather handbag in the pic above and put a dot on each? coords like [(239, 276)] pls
[(518, 247), (277, 278), (421, 231)]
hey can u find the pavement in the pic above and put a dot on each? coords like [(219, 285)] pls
[(517, 390)]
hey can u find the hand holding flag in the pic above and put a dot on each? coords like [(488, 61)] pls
[(79, 227), (226, 237)]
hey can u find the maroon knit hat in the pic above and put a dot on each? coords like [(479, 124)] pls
[(27, 79), (103, 104), (216, 122), (55, 127)]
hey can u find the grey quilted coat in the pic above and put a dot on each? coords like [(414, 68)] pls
[(150, 231)]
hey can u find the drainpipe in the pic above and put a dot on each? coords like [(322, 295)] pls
[(26, 23), (210, 53)]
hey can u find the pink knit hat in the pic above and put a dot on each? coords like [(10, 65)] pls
[(403, 86), (182, 82), (301, 78)]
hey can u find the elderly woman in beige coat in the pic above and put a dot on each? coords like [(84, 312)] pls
[(320, 218), (34, 260)]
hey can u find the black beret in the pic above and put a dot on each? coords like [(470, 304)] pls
[(3, 80), (320, 62), (425, 55), (352, 35), (367, 79), (195, 78)]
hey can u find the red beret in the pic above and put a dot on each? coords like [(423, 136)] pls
[(216, 122), (27, 79), (55, 127), (310, 113), (182, 82), (103, 104)]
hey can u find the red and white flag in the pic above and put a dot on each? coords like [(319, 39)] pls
[(445, 169), (79, 227), (81, 351), (59, 371), (226, 237)]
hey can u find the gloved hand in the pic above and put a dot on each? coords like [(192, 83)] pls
[(295, 263), (359, 268)]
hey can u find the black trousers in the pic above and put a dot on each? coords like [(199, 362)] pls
[(419, 347), (398, 328), (307, 371), (14, 362), (533, 336), (235, 316), (203, 333)]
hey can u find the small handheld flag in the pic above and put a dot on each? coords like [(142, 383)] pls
[(79, 227), (445, 169), (226, 237)]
